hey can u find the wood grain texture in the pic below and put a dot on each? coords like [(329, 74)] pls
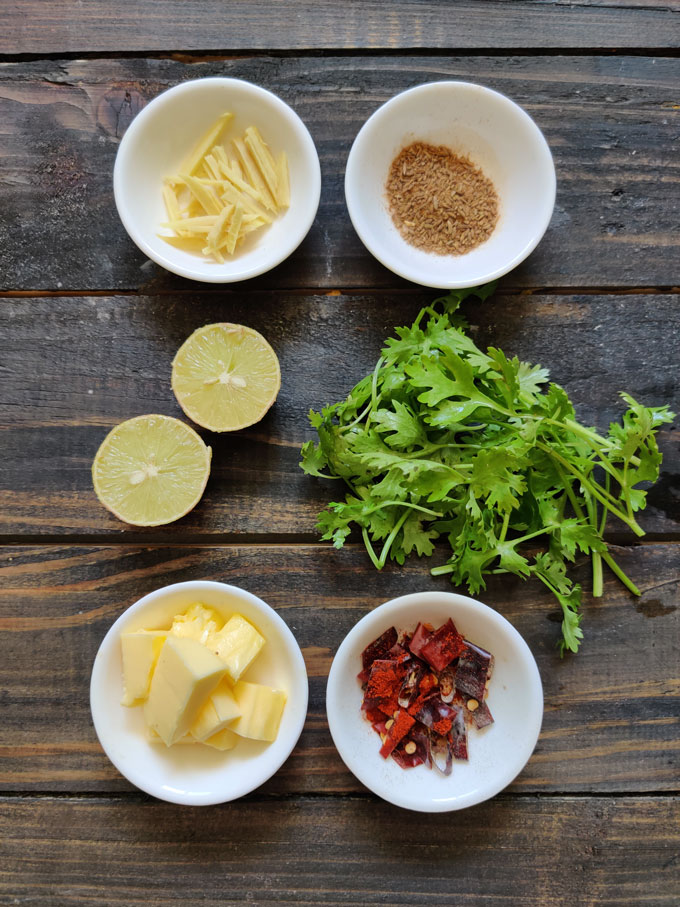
[(612, 124), (553, 852), (74, 367), (31, 26), (611, 719)]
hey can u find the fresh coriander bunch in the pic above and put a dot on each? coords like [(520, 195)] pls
[(443, 440)]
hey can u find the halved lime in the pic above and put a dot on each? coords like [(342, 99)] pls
[(225, 376), (151, 470)]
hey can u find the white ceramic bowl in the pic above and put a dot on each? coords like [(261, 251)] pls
[(497, 135), (197, 775), (497, 753), (167, 129)]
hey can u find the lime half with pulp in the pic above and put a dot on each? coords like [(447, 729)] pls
[(151, 470), (225, 376)]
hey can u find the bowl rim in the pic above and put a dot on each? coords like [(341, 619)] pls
[(385, 110), (380, 617), (294, 238), (97, 678)]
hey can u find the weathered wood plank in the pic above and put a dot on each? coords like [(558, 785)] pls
[(611, 712), (547, 852), (73, 368), (32, 26), (611, 123)]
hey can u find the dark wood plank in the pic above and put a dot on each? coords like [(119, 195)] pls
[(32, 26), (547, 852), (74, 367), (611, 712), (611, 123)]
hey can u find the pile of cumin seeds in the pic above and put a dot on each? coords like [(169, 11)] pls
[(440, 202)]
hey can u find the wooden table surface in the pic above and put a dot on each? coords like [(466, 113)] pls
[(88, 330)]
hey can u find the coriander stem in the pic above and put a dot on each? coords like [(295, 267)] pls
[(617, 571), (391, 537), (504, 528), (344, 428), (402, 504), (525, 538), (591, 436), (374, 390), (444, 568), (603, 519), (595, 490), (369, 548), (596, 559)]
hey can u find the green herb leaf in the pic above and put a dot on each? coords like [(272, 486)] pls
[(445, 440)]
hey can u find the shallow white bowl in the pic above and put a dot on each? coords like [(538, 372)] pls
[(498, 136), (497, 753), (197, 775), (162, 135)]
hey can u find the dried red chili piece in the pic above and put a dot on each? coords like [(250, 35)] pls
[(420, 636), (441, 749), (384, 681), (473, 670), (481, 716), (410, 687), (459, 735), (429, 686), (447, 684), (378, 648), (402, 725), (443, 646), (413, 750), (437, 715), (476, 710)]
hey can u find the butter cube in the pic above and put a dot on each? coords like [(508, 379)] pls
[(237, 644), (140, 650), (186, 674), (261, 709), (222, 740), (185, 738), (220, 709), (198, 622)]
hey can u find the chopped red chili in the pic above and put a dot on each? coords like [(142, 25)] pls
[(417, 693), (443, 646), (402, 725)]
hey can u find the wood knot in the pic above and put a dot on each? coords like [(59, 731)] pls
[(118, 107)]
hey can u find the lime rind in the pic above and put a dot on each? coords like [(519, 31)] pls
[(226, 376), (151, 470)]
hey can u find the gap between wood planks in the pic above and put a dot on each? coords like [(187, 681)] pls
[(251, 540), (221, 290), (138, 797), (219, 56)]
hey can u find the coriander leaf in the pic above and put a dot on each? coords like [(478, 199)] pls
[(574, 533), (406, 429), (494, 479), (530, 378), (414, 536), (445, 440), (511, 560), (313, 460)]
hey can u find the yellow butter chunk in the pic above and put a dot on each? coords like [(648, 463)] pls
[(261, 709), (218, 198), (140, 650), (187, 672), (222, 740), (237, 644), (198, 622), (220, 709), (184, 739)]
